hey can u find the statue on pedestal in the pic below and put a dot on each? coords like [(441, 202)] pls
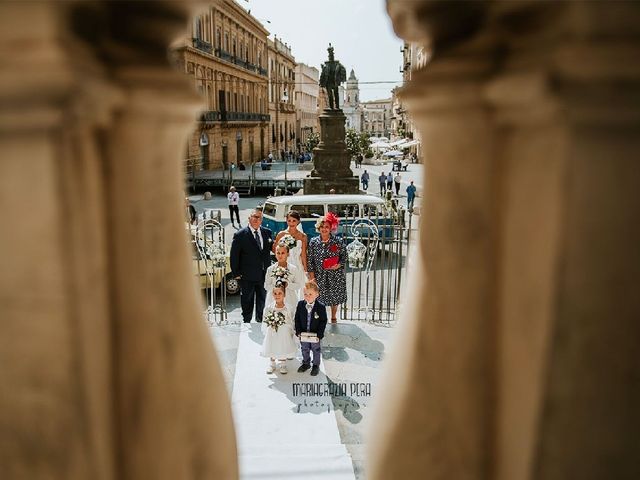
[(333, 74)]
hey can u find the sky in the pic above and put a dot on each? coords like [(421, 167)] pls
[(359, 30)]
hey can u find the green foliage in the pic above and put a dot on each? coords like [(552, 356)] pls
[(312, 141), (357, 143)]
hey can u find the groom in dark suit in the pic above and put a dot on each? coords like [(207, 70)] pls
[(250, 258)]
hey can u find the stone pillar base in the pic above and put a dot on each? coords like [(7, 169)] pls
[(317, 185)]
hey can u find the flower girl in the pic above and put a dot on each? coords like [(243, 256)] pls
[(285, 272), (279, 337)]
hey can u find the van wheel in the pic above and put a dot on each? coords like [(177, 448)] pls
[(233, 286)]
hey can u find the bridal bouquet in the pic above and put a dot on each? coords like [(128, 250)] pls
[(288, 241), (274, 319), (281, 273)]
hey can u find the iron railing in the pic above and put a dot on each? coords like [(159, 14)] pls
[(211, 265), (375, 280)]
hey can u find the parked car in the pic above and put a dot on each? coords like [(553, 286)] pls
[(310, 207), (211, 265)]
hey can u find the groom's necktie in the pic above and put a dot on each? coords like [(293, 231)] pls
[(257, 237)]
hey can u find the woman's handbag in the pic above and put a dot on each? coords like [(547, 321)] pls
[(330, 262)]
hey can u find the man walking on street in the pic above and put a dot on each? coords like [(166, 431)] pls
[(396, 180), (234, 198), (250, 257), (389, 182), (411, 195), (383, 181), (365, 180)]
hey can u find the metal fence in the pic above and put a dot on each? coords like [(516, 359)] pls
[(378, 247), (211, 265)]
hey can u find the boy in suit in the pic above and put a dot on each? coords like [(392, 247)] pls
[(311, 316)]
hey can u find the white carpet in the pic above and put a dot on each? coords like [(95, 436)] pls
[(281, 433)]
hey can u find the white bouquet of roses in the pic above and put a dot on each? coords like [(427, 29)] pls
[(274, 319), (218, 255), (356, 253), (281, 273), (288, 241)]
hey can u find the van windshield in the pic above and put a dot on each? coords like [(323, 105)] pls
[(309, 211), (269, 209)]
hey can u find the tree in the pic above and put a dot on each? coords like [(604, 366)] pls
[(312, 141), (357, 143)]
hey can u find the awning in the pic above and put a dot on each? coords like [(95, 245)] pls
[(393, 153), (409, 144)]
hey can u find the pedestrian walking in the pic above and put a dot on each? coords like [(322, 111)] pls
[(411, 195), (396, 180), (383, 183), (389, 182), (234, 199), (365, 180)]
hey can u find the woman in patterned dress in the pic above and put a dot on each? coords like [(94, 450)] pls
[(326, 258)]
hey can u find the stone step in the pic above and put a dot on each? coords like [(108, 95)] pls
[(321, 462)]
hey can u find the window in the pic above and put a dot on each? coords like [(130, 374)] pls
[(309, 211), (345, 210), (370, 210), (269, 209)]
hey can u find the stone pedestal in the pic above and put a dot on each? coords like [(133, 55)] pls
[(331, 159)]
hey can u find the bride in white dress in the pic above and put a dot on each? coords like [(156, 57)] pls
[(297, 254)]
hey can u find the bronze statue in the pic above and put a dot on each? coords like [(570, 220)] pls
[(333, 74)]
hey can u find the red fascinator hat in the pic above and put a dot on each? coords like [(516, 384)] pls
[(333, 220)]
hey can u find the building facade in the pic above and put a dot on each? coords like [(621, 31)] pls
[(306, 101), (351, 108), (281, 89), (376, 118), (414, 57), (226, 55)]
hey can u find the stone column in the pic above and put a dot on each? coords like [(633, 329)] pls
[(521, 345), (107, 368)]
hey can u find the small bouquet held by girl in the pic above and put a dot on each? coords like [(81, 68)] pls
[(279, 332), (274, 319), (287, 274), (280, 273)]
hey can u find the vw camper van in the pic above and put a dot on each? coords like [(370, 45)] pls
[(311, 207)]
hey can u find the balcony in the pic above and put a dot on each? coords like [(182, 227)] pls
[(211, 116), (229, 57), (202, 45)]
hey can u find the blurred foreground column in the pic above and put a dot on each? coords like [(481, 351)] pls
[(522, 363), (107, 370)]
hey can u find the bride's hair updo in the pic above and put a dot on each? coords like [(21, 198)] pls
[(294, 214)]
